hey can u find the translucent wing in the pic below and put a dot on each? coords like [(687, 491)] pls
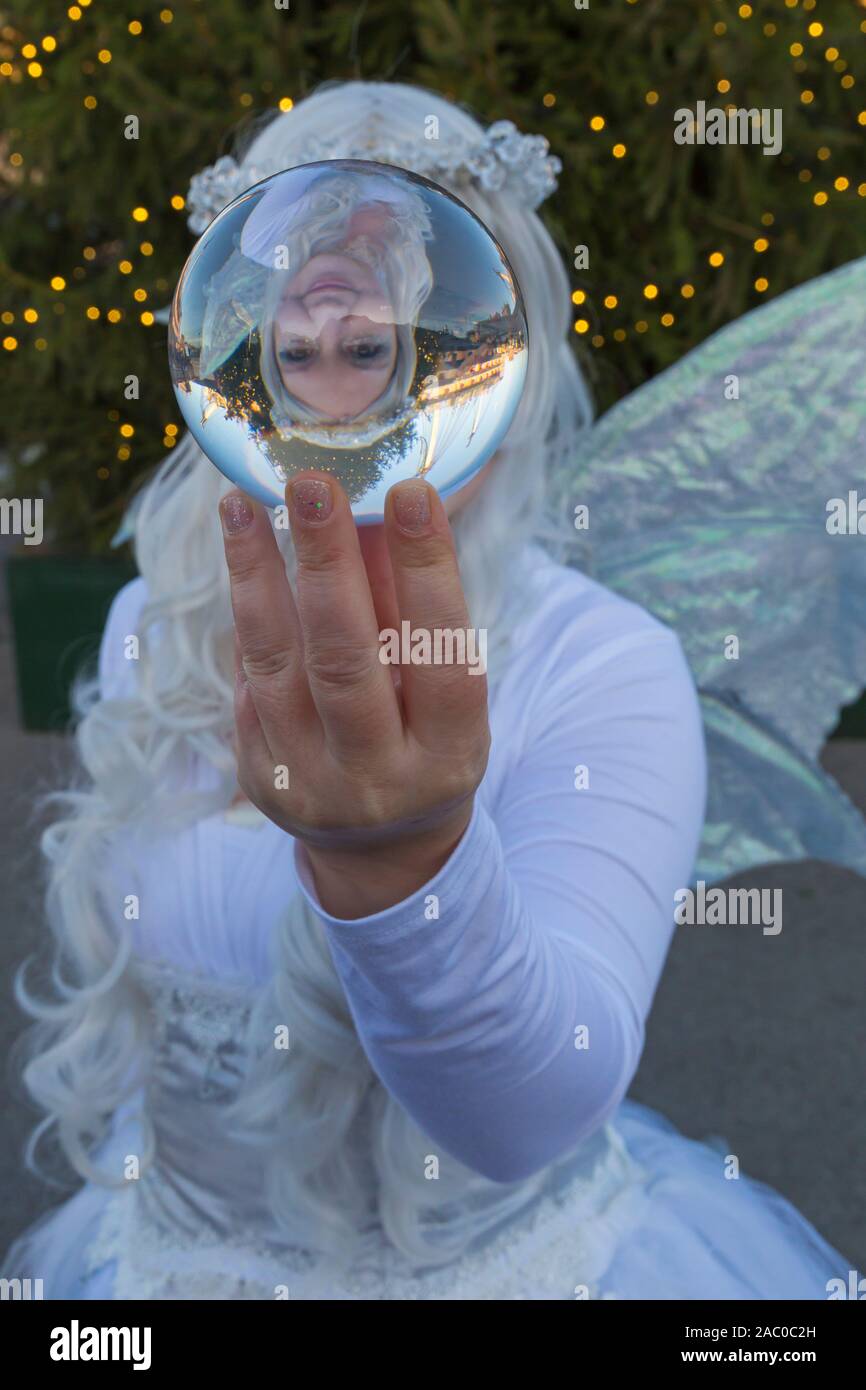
[(711, 502)]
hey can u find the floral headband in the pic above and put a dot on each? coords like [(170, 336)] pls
[(502, 160)]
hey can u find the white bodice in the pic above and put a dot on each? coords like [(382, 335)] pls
[(195, 1223)]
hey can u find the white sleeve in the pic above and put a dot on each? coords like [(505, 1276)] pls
[(117, 666), (510, 1024)]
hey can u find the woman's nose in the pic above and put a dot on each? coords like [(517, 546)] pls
[(326, 313), (328, 328)]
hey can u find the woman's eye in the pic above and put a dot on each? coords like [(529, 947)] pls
[(366, 350), (296, 354)]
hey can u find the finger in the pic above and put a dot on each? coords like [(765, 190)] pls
[(266, 621), (377, 563), (253, 756), (352, 689), (445, 703)]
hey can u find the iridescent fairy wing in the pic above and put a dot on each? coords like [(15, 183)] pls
[(719, 498)]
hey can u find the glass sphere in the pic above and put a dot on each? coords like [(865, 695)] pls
[(350, 317)]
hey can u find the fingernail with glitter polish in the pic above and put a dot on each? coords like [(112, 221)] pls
[(412, 506), (312, 499), (236, 513)]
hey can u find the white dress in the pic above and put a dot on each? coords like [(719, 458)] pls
[(549, 923)]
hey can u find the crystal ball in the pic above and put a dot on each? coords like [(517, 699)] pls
[(350, 317)]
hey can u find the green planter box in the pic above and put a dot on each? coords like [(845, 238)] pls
[(58, 605), (852, 720)]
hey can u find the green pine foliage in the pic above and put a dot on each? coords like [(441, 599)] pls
[(199, 74)]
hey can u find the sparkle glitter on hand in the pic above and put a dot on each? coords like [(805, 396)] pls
[(353, 318)]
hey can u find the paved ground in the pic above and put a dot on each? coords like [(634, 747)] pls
[(762, 1039), (757, 1039)]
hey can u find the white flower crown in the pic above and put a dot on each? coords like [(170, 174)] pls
[(503, 159)]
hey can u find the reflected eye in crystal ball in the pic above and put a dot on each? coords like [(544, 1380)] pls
[(350, 317)]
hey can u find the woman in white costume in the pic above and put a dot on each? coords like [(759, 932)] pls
[(368, 1034)]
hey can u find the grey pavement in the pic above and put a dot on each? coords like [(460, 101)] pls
[(756, 1039), (761, 1040)]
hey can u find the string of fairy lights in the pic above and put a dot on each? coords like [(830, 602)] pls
[(715, 258), (31, 58), (33, 65)]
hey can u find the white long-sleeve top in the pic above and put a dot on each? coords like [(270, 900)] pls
[(503, 1004)]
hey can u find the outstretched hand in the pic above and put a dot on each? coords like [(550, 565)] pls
[(374, 774)]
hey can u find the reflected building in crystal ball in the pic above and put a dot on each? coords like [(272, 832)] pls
[(350, 317)]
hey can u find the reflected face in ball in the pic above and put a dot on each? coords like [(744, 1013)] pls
[(335, 338), (349, 317)]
